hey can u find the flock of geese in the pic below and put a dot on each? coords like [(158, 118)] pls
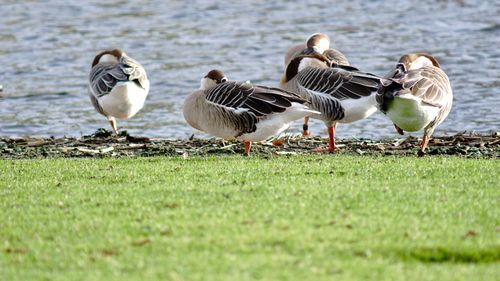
[(318, 82)]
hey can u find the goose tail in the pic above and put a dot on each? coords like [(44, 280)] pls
[(298, 110)]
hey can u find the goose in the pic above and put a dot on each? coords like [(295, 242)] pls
[(118, 85), (242, 111), (417, 95), (335, 56), (341, 93)]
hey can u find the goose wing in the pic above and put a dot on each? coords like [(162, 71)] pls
[(341, 82), (336, 57), (258, 100), (429, 83), (104, 76), (241, 105)]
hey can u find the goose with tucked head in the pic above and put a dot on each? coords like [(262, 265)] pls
[(341, 93), (416, 96), (242, 111), (335, 56), (118, 85)]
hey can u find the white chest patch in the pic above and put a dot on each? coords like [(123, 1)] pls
[(277, 123), (357, 109), (124, 101)]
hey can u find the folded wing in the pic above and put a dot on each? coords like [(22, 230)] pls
[(104, 76), (341, 82), (243, 104), (430, 84)]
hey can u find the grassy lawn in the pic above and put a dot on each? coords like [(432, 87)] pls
[(328, 217)]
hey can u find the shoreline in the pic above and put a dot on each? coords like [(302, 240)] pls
[(103, 144)]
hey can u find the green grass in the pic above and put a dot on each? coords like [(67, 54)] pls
[(232, 218)]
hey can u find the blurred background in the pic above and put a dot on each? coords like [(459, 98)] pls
[(46, 48)]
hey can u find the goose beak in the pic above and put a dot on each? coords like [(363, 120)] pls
[(308, 52), (323, 58), (313, 53)]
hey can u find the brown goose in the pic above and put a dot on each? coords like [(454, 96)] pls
[(235, 110), (335, 56), (340, 93), (417, 96), (118, 85)]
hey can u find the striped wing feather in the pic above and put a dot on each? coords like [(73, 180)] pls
[(258, 100), (104, 76), (338, 82), (428, 83), (241, 105)]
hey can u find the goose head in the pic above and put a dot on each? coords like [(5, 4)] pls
[(416, 61), (318, 42), (108, 56), (212, 78), (314, 53)]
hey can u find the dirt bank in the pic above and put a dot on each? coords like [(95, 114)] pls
[(103, 144)]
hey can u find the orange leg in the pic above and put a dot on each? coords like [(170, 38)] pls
[(305, 127), (248, 145), (331, 134), (331, 146), (423, 145), (112, 122)]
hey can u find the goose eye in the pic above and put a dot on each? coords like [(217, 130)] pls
[(223, 79)]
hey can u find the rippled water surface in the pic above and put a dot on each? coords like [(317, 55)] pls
[(46, 48)]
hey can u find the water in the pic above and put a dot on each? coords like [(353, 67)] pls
[(46, 48)]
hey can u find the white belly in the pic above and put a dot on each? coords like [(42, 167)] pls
[(277, 123), (124, 101), (410, 114), (266, 129), (223, 132), (357, 109)]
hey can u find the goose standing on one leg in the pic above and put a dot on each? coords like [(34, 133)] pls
[(335, 56), (118, 85), (340, 93), (417, 96), (242, 111)]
